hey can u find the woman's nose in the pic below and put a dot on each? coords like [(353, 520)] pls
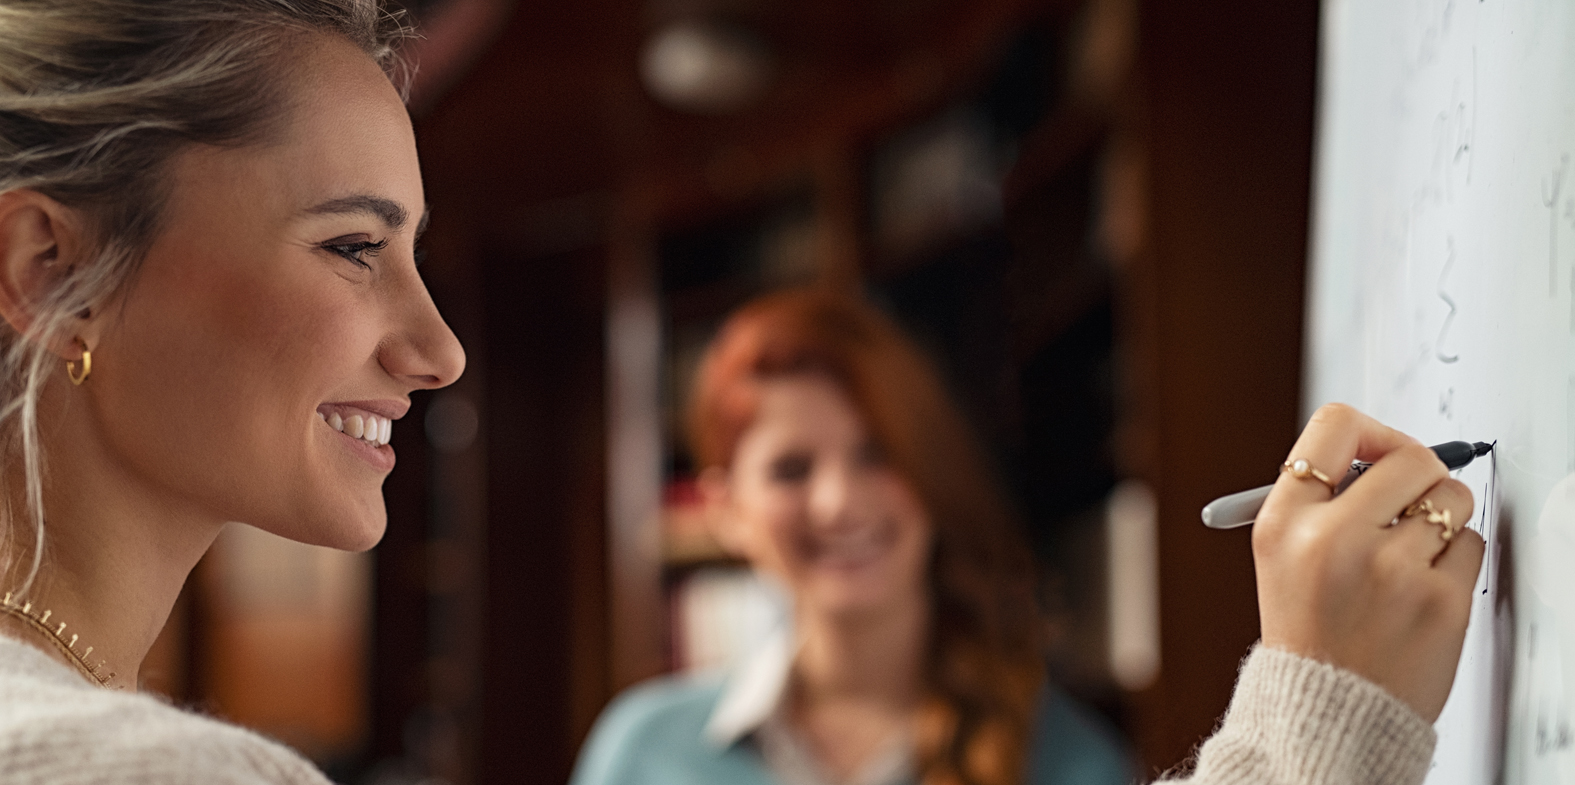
[(833, 494), (423, 352)]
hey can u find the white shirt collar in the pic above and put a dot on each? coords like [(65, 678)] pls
[(754, 691), (752, 703)]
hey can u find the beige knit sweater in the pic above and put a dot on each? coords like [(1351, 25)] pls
[(1295, 721), (57, 729), (1292, 721)]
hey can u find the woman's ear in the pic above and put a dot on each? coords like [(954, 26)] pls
[(40, 240), (716, 494)]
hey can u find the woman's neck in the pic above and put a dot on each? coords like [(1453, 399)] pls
[(875, 657), (856, 682), (116, 554)]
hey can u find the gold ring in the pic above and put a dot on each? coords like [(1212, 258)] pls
[(1434, 515), (1301, 470)]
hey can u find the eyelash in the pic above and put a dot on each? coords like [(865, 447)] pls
[(353, 251)]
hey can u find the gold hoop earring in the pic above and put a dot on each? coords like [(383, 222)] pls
[(87, 368)]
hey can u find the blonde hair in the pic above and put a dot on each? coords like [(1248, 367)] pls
[(96, 98)]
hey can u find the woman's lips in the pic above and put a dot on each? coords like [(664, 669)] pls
[(852, 551), (371, 444)]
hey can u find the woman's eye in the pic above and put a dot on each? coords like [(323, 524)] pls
[(790, 468), (356, 252)]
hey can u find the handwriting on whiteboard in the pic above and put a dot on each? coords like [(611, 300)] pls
[(1449, 318)]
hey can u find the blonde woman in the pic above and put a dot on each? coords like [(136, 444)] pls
[(208, 212)]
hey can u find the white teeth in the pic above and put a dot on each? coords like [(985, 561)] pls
[(370, 428)]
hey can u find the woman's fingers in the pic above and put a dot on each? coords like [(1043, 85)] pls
[(1462, 560), (1399, 479), (1419, 541), (1336, 435)]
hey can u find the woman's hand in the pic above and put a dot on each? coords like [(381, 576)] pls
[(1338, 583)]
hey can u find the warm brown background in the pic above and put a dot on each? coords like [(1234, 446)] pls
[(1183, 142)]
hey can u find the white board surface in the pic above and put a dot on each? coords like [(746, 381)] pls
[(1442, 300)]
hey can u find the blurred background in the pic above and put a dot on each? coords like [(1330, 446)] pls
[(1092, 212)]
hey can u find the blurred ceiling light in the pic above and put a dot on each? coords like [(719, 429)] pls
[(704, 67)]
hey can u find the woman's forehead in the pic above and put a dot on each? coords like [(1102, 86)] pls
[(349, 124), (807, 403), (346, 146)]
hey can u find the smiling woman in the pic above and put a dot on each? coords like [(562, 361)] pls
[(834, 462), (208, 219)]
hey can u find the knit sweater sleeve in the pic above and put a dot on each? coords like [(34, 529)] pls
[(1297, 721)]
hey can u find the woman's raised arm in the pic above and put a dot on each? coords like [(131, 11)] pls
[(1364, 601)]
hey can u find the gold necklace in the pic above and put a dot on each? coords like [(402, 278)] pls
[(56, 636)]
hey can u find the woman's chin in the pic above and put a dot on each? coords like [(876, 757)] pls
[(359, 540), (354, 531), (854, 595), (356, 528)]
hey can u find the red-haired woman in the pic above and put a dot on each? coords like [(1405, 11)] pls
[(835, 463)]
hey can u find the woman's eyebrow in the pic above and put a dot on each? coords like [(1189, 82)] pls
[(390, 212)]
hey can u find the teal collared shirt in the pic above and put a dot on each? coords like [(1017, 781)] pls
[(694, 730)]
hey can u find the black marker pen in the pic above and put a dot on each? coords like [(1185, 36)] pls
[(1240, 509)]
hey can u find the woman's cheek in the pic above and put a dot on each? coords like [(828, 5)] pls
[(762, 536), (917, 533), (785, 543), (902, 503)]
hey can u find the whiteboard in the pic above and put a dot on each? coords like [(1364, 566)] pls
[(1442, 300)]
